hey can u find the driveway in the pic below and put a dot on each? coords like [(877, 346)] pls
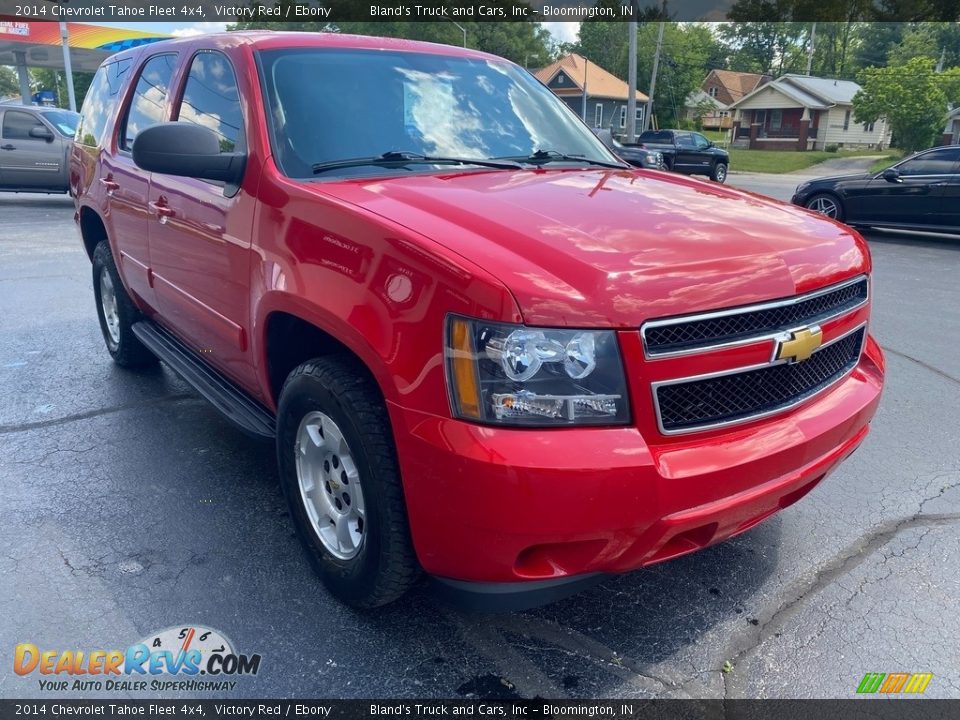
[(129, 505), (782, 185)]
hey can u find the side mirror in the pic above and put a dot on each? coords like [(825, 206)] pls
[(41, 132), (179, 148), (891, 175), (606, 137)]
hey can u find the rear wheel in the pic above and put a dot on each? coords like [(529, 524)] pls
[(826, 204), (341, 478), (719, 172), (116, 312)]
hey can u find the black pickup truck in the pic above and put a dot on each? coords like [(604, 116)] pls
[(687, 152)]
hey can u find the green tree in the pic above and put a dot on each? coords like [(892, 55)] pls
[(49, 79), (689, 52), (9, 85), (525, 43), (912, 97)]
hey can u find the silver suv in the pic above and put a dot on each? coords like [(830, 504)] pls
[(34, 148)]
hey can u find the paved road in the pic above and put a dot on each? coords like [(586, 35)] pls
[(782, 186), (129, 505)]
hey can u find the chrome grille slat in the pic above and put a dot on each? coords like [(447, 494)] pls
[(701, 332), (727, 398)]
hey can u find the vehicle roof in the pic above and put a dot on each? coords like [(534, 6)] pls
[(35, 108), (274, 40)]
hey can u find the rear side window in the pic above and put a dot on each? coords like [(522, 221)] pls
[(211, 98), (149, 98), (657, 136), (17, 125), (936, 162), (100, 100)]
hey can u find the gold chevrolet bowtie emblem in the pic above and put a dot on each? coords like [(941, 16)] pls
[(799, 345)]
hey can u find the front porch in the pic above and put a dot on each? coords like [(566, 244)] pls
[(776, 129)]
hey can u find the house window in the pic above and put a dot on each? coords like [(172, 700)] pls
[(623, 116), (846, 120), (776, 119), (712, 92), (560, 79), (598, 115), (639, 117), (868, 127)]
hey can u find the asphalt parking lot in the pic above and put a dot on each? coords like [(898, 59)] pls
[(129, 505)]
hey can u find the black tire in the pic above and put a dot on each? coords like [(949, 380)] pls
[(821, 202), (718, 173), (126, 350), (385, 565)]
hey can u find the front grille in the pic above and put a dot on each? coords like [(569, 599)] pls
[(662, 337), (735, 397)]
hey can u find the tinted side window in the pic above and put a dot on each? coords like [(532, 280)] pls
[(701, 142), (657, 136), (211, 99), (149, 98), (685, 141), (99, 102), (17, 125), (936, 162)]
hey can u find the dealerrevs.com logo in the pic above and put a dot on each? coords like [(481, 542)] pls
[(185, 658)]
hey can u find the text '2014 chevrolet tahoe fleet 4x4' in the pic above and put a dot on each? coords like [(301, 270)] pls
[(486, 348)]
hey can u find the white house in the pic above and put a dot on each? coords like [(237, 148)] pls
[(804, 113)]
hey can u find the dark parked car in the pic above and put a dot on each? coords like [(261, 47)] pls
[(34, 147), (636, 156), (687, 152), (922, 192)]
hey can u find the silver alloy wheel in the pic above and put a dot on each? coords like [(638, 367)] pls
[(824, 205), (108, 304), (330, 485), (721, 172)]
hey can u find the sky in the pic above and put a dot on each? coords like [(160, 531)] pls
[(561, 31)]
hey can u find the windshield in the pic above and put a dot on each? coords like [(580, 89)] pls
[(63, 120), (330, 105)]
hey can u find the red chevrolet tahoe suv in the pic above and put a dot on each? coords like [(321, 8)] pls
[(487, 349)]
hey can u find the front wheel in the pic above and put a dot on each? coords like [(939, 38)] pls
[(341, 478), (825, 204), (719, 172)]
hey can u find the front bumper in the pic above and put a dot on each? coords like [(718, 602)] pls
[(495, 505)]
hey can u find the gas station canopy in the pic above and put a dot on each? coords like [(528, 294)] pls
[(89, 45)]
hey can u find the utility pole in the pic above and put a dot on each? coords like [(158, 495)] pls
[(68, 69), (583, 106), (632, 81), (943, 58), (653, 79), (813, 37)]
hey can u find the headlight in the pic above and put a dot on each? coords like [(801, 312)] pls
[(517, 375)]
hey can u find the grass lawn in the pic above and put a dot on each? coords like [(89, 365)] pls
[(784, 161)]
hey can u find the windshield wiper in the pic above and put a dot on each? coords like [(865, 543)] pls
[(541, 157), (396, 158)]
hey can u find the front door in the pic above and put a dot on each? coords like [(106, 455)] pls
[(915, 196), (200, 232), (26, 161)]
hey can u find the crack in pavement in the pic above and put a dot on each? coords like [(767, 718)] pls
[(840, 566), (24, 427), (921, 363)]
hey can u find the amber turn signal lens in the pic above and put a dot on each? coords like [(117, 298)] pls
[(464, 369)]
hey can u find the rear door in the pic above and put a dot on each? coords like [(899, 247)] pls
[(29, 162), (127, 186), (200, 230)]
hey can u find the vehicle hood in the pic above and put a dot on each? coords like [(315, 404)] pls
[(606, 248), (837, 178)]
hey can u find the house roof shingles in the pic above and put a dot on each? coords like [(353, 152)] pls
[(600, 83), (733, 85)]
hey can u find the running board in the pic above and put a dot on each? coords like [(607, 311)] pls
[(239, 408)]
